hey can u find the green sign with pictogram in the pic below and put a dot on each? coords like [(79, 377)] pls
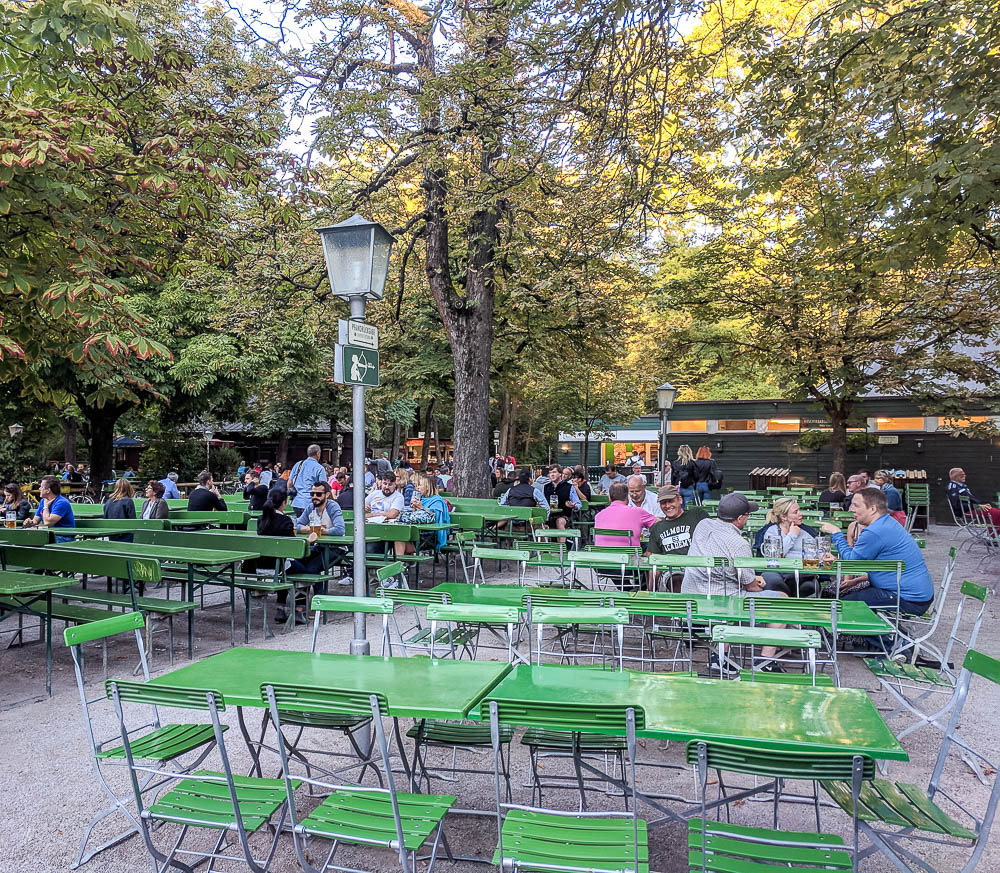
[(354, 365)]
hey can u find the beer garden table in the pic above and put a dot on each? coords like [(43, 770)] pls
[(204, 567)]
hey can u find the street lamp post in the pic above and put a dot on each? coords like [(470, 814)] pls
[(357, 261), (665, 395), (208, 446), (496, 442)]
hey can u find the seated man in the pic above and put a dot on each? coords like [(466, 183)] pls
[(611, 475), (54, 510), (384, 504), (562, 498), (619, 515), (206, 497), (959, 493), (523, 493), (169, 483), (721, 537), (639, 495), (323, 512), (884, 539), (671, 535)]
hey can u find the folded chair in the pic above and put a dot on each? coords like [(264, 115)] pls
[(236, 807), (353, 814), (899, 817), (161, 745)]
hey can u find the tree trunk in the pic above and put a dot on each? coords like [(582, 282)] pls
[(838, 439), (70, 430), (508, 416), (282, 449), (586, 447), (437, 440), (395, 441), (426, 447), (102, 421)]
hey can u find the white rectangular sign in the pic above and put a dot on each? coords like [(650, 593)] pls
[(357, 333)]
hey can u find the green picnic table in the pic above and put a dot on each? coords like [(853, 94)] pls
[(419, 688), (31, 594), (757, 716), (204, 567)]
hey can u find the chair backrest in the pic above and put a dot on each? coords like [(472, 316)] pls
[(391, 571), (973, 597), (544, 533), (326, 603), (93, 631), (181, 697), (476, 614), (775, 763), (625, 533), (591, 617), (338, 701)]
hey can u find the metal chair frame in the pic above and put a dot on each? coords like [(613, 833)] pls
[(153, 781)]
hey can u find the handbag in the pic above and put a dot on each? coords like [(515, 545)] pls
[(416, 516)]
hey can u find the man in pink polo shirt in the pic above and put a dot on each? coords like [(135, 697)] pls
[(619, 515)]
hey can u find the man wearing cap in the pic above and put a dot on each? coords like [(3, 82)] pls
[(721, 537), (672, 535)]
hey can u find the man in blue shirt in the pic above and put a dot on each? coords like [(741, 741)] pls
[(611, 475), (304, 475), (169, 483), (884, 539), (54, 510)]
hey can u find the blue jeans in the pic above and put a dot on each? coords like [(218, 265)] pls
[(687, 495), (883, 597), (704, 492)]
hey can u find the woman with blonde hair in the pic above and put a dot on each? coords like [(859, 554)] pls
[(426, 502), (406, 483), (683, 473), (120, 504), (784, 523)]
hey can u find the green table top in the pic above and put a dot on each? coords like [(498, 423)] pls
[(413, 687), (12, 584), (171, 554), (855, 616), (88, 510), (760, 715)]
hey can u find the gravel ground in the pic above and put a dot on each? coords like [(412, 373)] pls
[(49, 792)]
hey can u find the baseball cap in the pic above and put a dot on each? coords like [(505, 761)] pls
[(732, 506), (668, 492)]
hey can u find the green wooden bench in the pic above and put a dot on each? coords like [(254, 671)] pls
[(25, 537)]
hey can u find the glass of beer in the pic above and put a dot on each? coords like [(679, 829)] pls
[(318, 529), (10, 520), (810, 554)]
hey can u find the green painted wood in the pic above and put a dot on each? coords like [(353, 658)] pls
[(453, 733), (971, 589), (313, 698), (167, 554), (413, 687), (737, 634), (472, 612), (411, 595), (580, 615), (129, 524), (786, 678), (268, 547), (885, 668), (899, 804), (729, 848), (982, 665), (782, 764), (365, 817), (182, 516), (188, 697), (670, 561), (157, 605), (685, 708), (166, 742), (105, 562), (26, 536), (335, 603), (23, 584), (107, 627), (389, 570)]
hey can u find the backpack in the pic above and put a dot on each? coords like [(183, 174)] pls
[(715, 478)]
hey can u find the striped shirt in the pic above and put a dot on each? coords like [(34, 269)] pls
[(720, 539)]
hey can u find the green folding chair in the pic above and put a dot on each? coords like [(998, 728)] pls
[(236, 807), (912, 686), (724, 847), (725, 636), (162, 745), (898, 816), (352, 814), (464, 623), (415, 636), (486, 553), (562, 841)]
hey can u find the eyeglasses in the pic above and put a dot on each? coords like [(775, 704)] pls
[(317, 493)]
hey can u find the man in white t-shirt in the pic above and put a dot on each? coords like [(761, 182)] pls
[(385, 503)]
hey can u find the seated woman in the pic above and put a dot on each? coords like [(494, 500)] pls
[(14, 502), (120, 504), (894, 500), (274, 523), (836, 491), (426, 500), (784, 520), (406, 484), (155, 506)]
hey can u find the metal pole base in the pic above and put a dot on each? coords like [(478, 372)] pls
[(360, 647)]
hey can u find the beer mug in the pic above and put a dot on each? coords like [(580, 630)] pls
[(10, 519), (810, 554), (318, 529), (553, 500), (825, 547), (771, 547)]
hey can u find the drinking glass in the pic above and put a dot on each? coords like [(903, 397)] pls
[(10, 519), (771, 547), (810, 554)]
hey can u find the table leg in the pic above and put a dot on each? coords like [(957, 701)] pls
[(190, 612), (48, 643), (252, 747)]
